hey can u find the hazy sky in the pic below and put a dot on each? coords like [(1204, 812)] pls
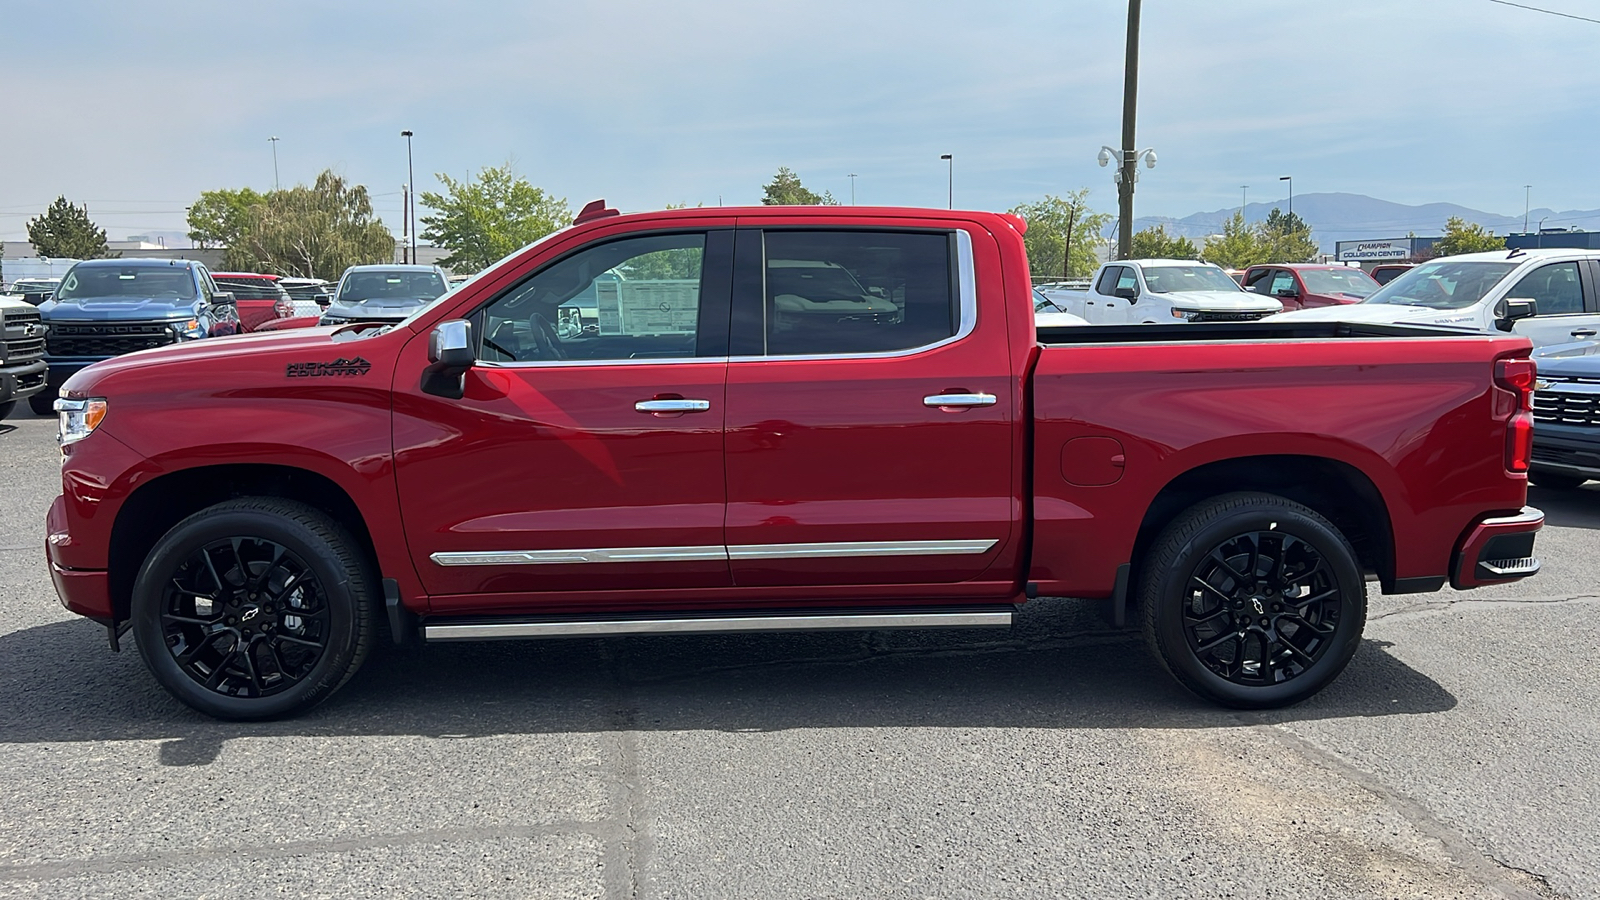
[(134, 108)]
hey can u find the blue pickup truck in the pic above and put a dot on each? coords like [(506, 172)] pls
[(108, 307), (1566, 415)]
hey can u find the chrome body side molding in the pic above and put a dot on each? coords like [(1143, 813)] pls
[(689, 554)]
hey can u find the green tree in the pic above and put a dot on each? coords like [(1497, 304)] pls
[(785, 189), (1238, 247), (1155, 243), (1287, 238), (66, 231), (1050, 220), (1461, 237), (218, 218), (314, 232), (483, 220)]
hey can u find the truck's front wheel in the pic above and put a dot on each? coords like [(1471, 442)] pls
[(253, 608), (43, 403), (1253, 600)]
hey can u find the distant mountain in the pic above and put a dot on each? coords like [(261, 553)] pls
[(1351, 217)]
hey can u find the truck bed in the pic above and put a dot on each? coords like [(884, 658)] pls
[(1236, 331)]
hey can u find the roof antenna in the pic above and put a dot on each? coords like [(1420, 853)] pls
[(1515, 253)]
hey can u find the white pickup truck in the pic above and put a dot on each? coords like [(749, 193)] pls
[(1151, 291), (1550, 296)]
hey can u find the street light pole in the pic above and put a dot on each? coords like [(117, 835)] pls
[(411, 199), (950, 202), (1290, 179), (852, 189), (1130, 92), (1244, 198), (1527, 192), (274, 142)]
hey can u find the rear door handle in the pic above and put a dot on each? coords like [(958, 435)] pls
[(941, 401), (672, 406)]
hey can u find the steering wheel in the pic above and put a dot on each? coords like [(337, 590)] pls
[(544, 338)]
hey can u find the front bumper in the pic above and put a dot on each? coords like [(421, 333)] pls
[(86, 592), (1497, 550), (22, 381)]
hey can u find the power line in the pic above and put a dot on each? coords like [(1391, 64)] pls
[(1549, 12)]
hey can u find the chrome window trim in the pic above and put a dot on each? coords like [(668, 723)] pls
[(828, 550), (966, 618), (967, 295)]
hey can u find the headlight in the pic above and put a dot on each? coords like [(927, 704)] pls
[(1185, 314), (333, 320), (79, 418), (189, 329)]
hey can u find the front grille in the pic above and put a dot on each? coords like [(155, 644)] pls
[(108, 338), (24, 336), (1564, 408), (1570, 379), (1204, 316)]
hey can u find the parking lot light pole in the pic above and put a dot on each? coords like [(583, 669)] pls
[(274, 142), (411, 197), (1290, 179), (950, 197), (1527, 192), (852, 189)]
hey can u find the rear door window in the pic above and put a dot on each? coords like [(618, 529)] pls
[(1257, 281), (845, 292)]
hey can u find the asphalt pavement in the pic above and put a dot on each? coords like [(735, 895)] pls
[(1458, 756)]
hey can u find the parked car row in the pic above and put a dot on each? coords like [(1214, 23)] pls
[(109, 307)]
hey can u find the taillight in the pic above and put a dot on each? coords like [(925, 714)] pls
[(1518, 376), (284, 307)]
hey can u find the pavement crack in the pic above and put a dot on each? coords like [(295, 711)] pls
[(1448, 603), (1497, 875), (627, 854)]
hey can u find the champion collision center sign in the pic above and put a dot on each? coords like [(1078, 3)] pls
[(1363, 251)]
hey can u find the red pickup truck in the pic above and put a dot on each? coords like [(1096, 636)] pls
[(778, 419)]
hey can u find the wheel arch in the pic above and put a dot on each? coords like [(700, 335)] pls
[(156, 506), (1338, 491)]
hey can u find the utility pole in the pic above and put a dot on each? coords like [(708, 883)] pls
[(1527, 192), (1066, 256), (1244, 197), (951, 197), (852, 189), (1130, 92), (274, 142)]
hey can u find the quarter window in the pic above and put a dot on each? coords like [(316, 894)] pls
[(636, 298), (835, 292)]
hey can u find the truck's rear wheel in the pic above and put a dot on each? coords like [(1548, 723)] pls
[(1253, 600), (254, 608)]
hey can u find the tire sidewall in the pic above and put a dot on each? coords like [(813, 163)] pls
[(1173, 589), (212, 525)]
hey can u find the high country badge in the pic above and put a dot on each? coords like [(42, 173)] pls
[(339, 368)]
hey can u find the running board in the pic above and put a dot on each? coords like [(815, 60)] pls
[(508, 629)]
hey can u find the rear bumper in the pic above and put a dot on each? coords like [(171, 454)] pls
[(1497, 550)]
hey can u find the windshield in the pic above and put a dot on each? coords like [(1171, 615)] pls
[(1354, 282), (1446, 284), (402, 285), (1042, 303), (127, 281), (1167, 279)]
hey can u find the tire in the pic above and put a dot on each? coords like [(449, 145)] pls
[(6, 408), (304, 614), (43, 403), (1302, 612), (1553, 480)]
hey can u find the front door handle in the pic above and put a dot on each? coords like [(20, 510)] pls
[(672, 406), (1584, 333), (944, 401)]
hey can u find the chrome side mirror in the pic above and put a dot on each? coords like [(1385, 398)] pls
[(450, 355)]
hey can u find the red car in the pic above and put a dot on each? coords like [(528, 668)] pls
[(780, 418), (259, 298), (1309, 285), (1387, 272)]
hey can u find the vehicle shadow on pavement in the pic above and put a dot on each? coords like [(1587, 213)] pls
[(1058, 669), (1576, 508)]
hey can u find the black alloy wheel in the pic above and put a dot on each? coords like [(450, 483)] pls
[(1253, 601), (253, 609), (245, 617)]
